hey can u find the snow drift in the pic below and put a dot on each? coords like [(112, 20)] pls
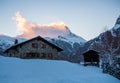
[(14, 70)]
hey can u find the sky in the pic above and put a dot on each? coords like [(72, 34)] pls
[(85, 18)]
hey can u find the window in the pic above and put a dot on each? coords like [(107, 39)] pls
[(43, 55), (35, 45), (32, 55), (44, 45)]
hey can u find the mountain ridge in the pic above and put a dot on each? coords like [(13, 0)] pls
[(107, 44)]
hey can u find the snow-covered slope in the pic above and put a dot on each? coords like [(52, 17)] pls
[(13, 70), (6, 41), (69, 37), (72, 38)]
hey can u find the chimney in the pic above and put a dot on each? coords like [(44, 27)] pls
[(16, 41)]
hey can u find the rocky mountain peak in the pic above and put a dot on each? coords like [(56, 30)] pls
[(118, 20), (117, 24)]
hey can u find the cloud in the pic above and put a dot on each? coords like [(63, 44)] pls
[(30, 30)]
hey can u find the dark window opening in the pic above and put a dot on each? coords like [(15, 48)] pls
[(35, 45), (10, 54), (44, 45), (32, 55), (43, 55)]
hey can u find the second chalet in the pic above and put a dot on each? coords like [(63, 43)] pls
[(36, 47)]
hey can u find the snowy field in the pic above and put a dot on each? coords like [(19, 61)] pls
[(13, 70)]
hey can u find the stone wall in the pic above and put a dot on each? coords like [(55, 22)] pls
[(34, 49)]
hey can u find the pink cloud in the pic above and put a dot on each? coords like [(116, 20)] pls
[(30, 30)]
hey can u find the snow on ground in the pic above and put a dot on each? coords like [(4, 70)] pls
[(13, 70)]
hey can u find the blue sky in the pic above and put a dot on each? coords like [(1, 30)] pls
[(86, 18)]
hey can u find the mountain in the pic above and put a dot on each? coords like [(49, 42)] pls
[(6, 42), (107, 44), (69, 43)]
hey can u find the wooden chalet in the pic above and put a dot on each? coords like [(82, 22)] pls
[(91, 57), (36, 47)]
